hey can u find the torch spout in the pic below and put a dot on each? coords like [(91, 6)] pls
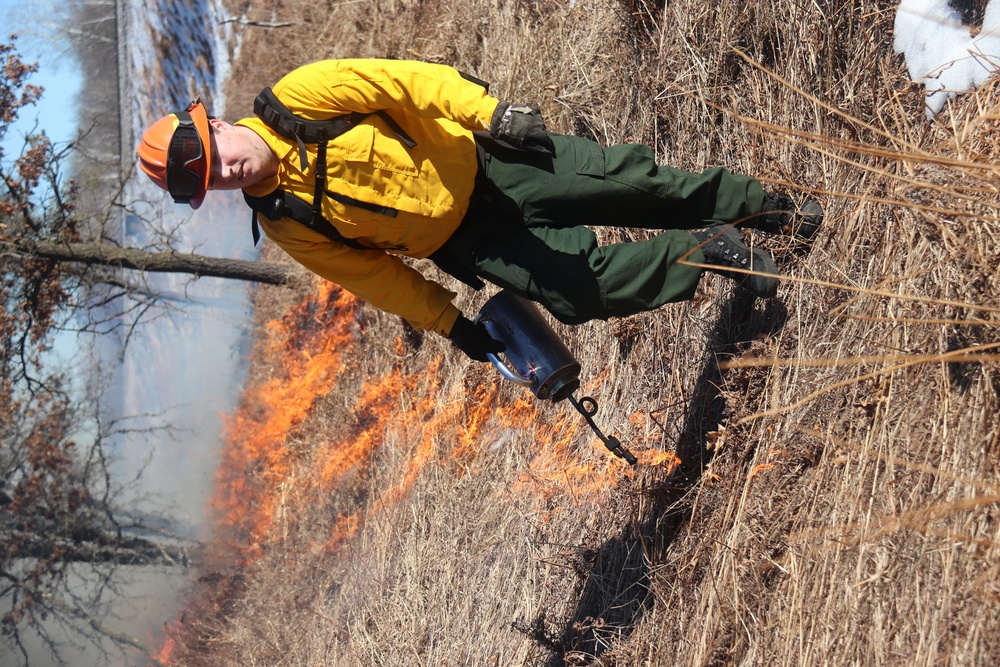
[(587, 407)]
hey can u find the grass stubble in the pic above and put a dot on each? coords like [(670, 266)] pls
[(830, 491)]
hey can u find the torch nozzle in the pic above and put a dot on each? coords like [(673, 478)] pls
[(587, 407)]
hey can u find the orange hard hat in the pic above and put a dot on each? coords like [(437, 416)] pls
[(176, 154)]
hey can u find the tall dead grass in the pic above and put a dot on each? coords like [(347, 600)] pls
[(836, 498)]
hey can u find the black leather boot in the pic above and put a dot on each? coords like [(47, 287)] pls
[(724, 248), (781, 215)]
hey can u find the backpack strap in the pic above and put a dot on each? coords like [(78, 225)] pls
[(282, 120), (280, 204)]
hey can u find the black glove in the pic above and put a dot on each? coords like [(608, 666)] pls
[(521, 127), (474, 339)]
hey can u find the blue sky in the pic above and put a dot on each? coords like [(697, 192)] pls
[(59, 77)]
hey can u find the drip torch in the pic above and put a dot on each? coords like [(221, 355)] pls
[(537, 358)]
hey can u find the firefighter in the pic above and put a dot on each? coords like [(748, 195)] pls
[(429, 165)]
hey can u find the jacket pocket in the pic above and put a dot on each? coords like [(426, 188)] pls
[(589, 158), (358, 143), (366, 144), (389, 153)]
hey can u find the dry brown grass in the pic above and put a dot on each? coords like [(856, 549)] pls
[(835, 503)]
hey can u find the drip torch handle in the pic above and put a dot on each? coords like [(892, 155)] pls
[(587, 407), (505, 370), (508, 372)]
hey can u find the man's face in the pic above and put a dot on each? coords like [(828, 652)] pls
[(240, 158)]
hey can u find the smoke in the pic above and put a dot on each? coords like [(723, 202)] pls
[(143, 600), (167, 391), (182, 368)]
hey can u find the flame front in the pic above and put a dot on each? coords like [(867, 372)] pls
[(307, 349), (453, 426), (402, 417)]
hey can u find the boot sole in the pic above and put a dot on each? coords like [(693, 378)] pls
[(762, 286), (811, 215)]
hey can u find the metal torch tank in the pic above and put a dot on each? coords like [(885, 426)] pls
[(535, 356)]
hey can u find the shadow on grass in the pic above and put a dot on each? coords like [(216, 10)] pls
[(615, 591)]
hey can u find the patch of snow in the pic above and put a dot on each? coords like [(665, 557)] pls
[(942, 53)]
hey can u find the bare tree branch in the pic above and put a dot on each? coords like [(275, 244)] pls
[(105, 254)]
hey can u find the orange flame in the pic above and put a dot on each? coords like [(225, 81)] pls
[(163, 655), (308, 347), (166, 652), (401, 417), (404, 406)]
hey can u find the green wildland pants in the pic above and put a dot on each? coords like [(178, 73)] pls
[(527, 228)]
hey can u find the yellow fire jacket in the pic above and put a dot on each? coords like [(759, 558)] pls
[(428, 185)]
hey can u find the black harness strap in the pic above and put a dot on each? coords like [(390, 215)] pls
[(280, 204), (357, 203), (282, 120), (397, 128), (317, 207)]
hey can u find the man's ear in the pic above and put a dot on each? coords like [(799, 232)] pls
[(219, 125)]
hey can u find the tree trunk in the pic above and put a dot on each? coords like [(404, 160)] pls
[(106, 254)]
